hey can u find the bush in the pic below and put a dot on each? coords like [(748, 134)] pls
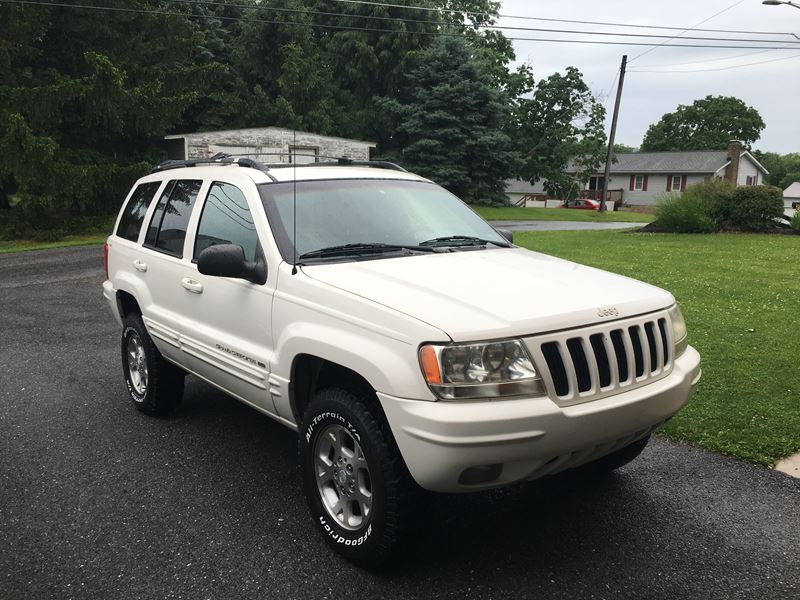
[(755, 208), (715, 195), (795, 222), (684, 214)]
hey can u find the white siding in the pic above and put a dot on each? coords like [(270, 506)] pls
[(656, 186), (748, 169)]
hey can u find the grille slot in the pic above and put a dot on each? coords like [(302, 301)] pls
[(580, 364), (555, 364), (601, 356), (598, 361)]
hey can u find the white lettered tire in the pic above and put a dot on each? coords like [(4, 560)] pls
[(356, 484)]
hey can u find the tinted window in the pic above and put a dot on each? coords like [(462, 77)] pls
[(130, 224), (226, 219), (168, 226)]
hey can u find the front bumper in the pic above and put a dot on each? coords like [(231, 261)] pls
[(529, 437)]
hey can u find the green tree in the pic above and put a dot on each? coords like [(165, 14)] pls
[(561, 123), (707, 124), (87, 102), (449, 124), (623, 149), (784, 169)]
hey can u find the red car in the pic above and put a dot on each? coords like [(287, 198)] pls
[(581, 203)]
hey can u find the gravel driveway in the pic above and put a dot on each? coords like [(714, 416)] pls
[(99, 501)]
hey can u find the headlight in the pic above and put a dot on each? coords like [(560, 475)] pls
[(485, 370), (678, 330)]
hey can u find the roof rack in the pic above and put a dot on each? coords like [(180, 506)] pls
[(329, 161), (218, 159)]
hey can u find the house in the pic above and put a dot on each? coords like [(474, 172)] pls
[(791, 199), (639, 178), (268, 144)]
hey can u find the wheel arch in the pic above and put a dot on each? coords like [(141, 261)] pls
[(311, 373)]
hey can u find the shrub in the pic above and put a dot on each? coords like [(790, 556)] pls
[(755, 207), (795, 222), (716, 195), (684, 214)]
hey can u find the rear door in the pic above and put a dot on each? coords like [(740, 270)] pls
[(165, 268), (227, 337)]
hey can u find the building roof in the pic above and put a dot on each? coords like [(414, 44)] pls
[(699, 161), (793, 191), (226, 132)]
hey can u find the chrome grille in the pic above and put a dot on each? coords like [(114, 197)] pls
[(594, 362)]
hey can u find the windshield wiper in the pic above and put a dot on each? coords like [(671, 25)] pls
[(460, 240), (362, 248)]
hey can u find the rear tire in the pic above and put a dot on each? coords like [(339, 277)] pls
[(356, 484), (154, 385)]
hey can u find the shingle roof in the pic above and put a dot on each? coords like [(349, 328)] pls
[(701, 161)]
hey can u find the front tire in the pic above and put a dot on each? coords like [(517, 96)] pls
[(356, 484), (154, 385)]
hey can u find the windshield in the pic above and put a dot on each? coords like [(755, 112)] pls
[(400, 216)]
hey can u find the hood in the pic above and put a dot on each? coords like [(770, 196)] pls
[(493, 293)]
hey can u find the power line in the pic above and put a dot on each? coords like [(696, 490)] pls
[(491, 27), (760, 62), (394, 31), (554, 20), (735, 4), (708, 60)]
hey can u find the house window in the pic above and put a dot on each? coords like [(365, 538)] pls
[(596, 183), (638, 182), (749, 180), (676, 183)]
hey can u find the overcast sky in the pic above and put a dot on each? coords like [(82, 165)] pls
[(773, 88)]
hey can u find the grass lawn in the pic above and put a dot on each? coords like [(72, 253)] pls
[(72, 240), (740, 295), (513, 213)]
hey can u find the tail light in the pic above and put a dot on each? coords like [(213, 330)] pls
[(105, 258)]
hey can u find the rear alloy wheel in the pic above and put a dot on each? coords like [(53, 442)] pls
[(154, 385), (357, 486)]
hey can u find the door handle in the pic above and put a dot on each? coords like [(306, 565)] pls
[(139, 265), (193, 286)]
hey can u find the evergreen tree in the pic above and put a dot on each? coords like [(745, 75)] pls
[(449, 123)]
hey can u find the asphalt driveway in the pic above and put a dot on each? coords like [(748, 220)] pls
[(99, 501)]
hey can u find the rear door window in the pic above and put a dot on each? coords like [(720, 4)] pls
[(130, 223), (226, 219), (167, 229)]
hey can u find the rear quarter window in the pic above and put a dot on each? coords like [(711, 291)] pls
[(130, 223)]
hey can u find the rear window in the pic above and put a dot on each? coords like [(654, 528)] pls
[(167, 229), (130, 223)]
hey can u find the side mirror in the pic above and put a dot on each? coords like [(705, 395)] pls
[(227, 260), (506, 233)]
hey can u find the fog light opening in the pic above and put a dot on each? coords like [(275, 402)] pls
[(480, 474)]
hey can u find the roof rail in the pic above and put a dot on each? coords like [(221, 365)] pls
[(218, 159)]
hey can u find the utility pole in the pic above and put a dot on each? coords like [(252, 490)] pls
[(613, 132)]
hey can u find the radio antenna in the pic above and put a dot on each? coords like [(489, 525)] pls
[(293, 157)]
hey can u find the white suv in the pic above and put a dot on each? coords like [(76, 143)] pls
[(409, 343)]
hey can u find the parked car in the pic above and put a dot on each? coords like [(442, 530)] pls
[(581, 203), (409, 343)]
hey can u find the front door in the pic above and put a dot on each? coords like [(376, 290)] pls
[(228, 339)]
